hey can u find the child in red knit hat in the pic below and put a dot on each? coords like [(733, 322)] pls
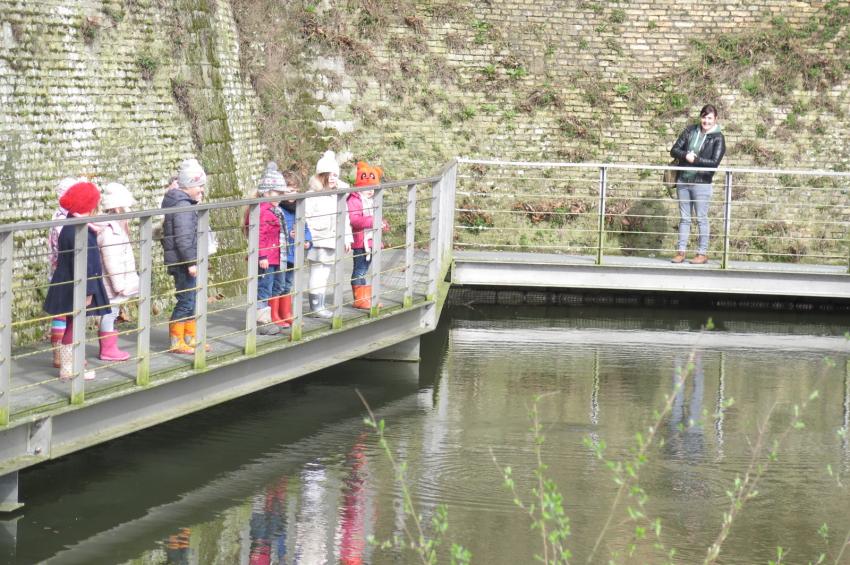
[(57, 324), (79, 200)]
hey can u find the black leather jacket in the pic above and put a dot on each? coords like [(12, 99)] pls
[(710, 155)]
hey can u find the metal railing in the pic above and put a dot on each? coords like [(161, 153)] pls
[(604, 210), (407, 264)]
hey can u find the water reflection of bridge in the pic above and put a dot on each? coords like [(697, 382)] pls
[(277, 436), (43, 418)]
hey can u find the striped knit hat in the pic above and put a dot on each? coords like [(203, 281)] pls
[(272, 179)]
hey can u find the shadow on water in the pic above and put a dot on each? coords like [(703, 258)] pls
[(108, 503), (650, 318)]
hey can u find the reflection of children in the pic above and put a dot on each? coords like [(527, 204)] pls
[(321, 212), (353, 522), (79, 200), (178, 549), (119, 265), (57, 324), (293, 183), (360, 214), (268, 526)]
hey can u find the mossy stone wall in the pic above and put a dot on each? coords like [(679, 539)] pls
[(574, 80), (118, 91)]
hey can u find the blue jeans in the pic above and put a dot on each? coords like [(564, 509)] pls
[(183, 281), (288, 278), (269, 284), (361, 267), (693, 198)]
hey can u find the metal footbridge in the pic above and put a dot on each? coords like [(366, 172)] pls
[(477, 223)]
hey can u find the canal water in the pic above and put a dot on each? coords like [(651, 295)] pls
[(292, 475)]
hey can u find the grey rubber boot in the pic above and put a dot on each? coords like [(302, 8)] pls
[(317, 306)]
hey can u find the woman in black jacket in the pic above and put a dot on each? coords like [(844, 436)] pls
[(700, 145)]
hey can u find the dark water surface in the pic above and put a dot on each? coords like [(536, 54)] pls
[(291, 475)]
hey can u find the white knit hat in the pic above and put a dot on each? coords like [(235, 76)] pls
[(116, 195), (327, 164), (191, 174), (66, 183)]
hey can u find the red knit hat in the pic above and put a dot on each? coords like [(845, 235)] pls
[(81, 198), (367, 175)]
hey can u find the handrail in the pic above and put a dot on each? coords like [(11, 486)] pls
[(589, 209), (630, 166), (19, 226)]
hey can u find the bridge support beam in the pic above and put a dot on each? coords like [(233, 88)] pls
[(407, 351), (9, 493)]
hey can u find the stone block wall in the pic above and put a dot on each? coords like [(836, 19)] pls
[(573, 80), (414, 84), (118, 91)]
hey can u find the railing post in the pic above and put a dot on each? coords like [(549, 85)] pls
[(448, 188), (202, 281), (434, 243), (253, 281), (409, 246), (6, 262), (339, 267), (727, 218), (81, 248), (603, 186), (298, 277), (377, 253), (143, 335)]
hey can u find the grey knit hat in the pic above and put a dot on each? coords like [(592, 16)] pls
[(272, 179)]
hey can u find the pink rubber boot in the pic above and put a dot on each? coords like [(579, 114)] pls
[(109, 347)]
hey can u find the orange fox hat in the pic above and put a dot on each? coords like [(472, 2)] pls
[(367, 175)]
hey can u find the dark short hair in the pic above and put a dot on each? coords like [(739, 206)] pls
[(708, 109), (292, 179)]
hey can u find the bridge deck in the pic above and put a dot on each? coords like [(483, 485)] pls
[(506, 269), (35, 388)]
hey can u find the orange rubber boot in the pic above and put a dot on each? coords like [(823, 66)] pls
[(189, 335), (362, 299), (177, 332)]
